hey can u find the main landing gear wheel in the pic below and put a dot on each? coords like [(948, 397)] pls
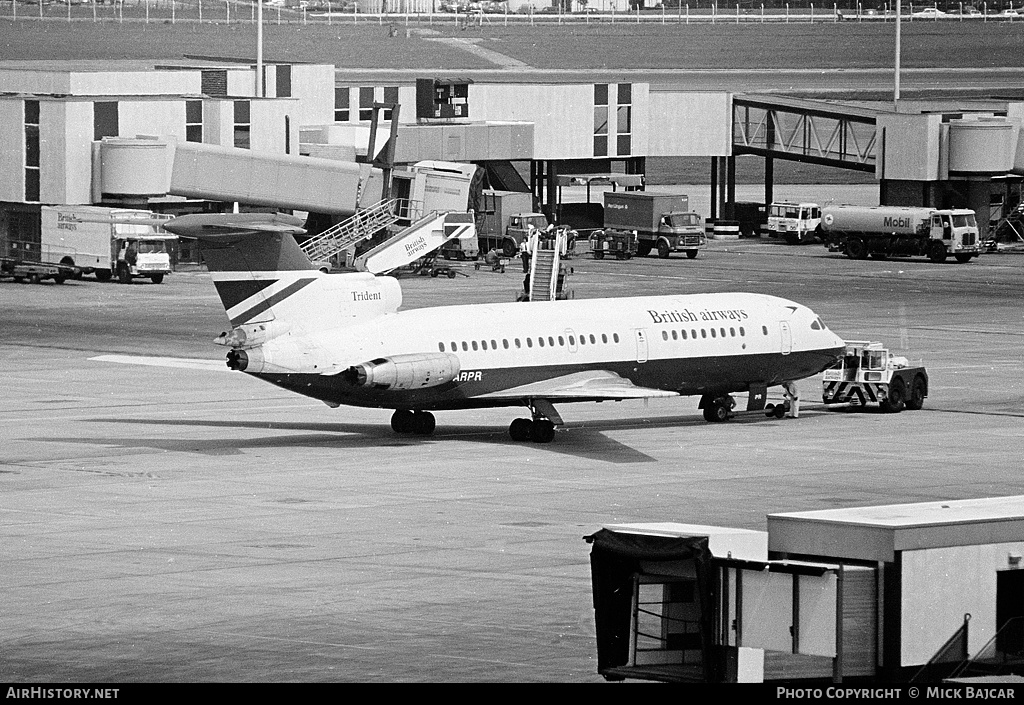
[(719, 409), (538, 431), (421, 423)]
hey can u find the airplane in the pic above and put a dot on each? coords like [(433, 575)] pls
[(341, 338)]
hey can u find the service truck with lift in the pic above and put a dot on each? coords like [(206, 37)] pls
[(106, 242), (21, 257), (661, 221), (796, 223), (60, 242), (884, 231), (869, 374)]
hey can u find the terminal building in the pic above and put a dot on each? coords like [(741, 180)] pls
[(207, 135)]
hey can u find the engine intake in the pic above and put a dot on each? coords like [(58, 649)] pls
[(414, 371)]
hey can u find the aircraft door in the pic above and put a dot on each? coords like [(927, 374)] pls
[(641, 344), (787, 337)]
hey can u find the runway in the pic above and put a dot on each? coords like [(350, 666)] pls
[(172, 525)]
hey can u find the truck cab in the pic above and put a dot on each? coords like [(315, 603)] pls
[(955, 232), (145, 256), (680, 231), (796, 222), (519, 228)]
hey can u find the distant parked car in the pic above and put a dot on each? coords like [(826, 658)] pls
[(1011, 12), (929, 12)]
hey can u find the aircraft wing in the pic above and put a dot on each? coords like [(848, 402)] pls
[(215, 225), (595, 384), (187, 363)]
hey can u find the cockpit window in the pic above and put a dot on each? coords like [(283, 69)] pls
[(818, 324)]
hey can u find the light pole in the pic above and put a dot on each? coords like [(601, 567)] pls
[(259, 49), (896, 87)]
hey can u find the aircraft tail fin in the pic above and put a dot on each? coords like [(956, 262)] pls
[(261, 274)]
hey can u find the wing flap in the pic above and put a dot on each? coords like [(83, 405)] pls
[(595, 384)]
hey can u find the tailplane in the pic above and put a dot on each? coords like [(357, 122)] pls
[(262, 275)]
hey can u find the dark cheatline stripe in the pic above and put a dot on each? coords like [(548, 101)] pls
[(234, 293), (271, 301)]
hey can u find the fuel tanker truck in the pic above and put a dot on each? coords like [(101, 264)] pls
[(883, 231)]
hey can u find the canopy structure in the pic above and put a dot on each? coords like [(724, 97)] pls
[(616, 180)]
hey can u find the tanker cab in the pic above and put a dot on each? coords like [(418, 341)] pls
[(796, 222), (942, 226), (957, 228)]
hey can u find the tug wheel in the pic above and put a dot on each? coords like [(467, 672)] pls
[(918, 391), (896, 399)]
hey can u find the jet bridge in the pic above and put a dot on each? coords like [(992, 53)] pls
[(141, 168)]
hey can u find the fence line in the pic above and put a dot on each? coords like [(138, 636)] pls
[(339, 12)]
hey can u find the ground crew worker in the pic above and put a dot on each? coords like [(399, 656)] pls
[(791, 395), (524, 251), (549, 237)]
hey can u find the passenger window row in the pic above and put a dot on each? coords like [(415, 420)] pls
[(706, 332), (541, 342)]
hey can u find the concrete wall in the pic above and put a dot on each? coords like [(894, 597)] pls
[(57, 161), (563, 115), (939, 586), (273, 126), (151, 117), (313, 86), (12, 151), (241, 82), (911, 147), (694, 124), (97, 83), (77, 168), (116, 83)]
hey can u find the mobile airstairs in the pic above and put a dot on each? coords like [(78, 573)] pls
[(547, 272), (351, 231), (412, 235)]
